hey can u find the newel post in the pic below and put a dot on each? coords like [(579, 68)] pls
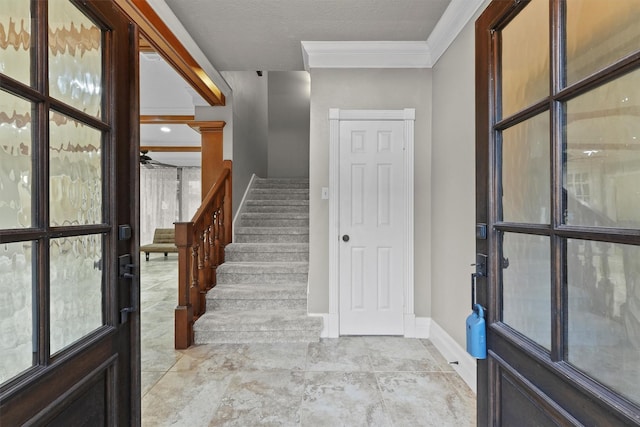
[(184, 310)]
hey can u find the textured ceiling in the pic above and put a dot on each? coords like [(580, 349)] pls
[(242, 35)]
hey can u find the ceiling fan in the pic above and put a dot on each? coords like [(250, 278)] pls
[(147, 162)]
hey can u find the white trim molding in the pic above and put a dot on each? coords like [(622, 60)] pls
[(452, 21), (336, 115), (466, 365), (423, 327), (392, 54), (366, 54)]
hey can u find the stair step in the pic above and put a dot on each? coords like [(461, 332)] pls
[(257, 326), (273, 208), (281, 183), (264, 267), (267, 222), (251, 296), (266, 272), (277, 202), (272, 234), (267, 252), (250, 337), (275, 215), (278, 194)]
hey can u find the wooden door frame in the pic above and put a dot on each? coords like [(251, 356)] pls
[(336, 115), (563, 393), (49, 389)]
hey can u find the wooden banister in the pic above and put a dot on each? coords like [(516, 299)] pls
[(201, 244)]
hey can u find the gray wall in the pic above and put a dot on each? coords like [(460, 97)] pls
[(288, 124), (247, 137), (453, 184), (386, 89)]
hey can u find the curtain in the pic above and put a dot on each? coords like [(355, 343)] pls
[(167, 195), (190, 192)]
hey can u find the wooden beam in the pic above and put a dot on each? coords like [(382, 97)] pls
[(167, 45), (166, 120), (170, 148)]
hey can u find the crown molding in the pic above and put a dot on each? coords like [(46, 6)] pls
[(392, 54), (452, 21), (366, 54)]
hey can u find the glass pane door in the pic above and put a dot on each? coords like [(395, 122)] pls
[(53, 236), (558, 183)]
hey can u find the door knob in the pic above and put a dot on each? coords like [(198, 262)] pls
[(345, 237)]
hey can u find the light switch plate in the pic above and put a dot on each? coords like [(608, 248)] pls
[(325, 193)]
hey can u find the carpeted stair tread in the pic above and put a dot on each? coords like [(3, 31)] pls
[(259, 290), (275, 215), (277, 202), (257, 320), (267, 247), (272, 230), (265, 267)]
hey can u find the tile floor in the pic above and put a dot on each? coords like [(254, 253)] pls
[(350, 381)]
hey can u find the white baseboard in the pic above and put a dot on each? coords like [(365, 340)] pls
[(423, 327), (410, 325), (453, 352), (329, 325)]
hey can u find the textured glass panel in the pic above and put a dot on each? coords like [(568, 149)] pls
[(75, 184), (15, 162), (604, 313), (525, 58), (75, 58), (15, 39), (525, 171), (602, 173), (526, 286), (76, 288), (16, 313), (599, 33)]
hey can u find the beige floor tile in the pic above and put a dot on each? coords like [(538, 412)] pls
[(348, 354), (425, 399), (397, 354), (342, 399), (266, 398), (184, 399)]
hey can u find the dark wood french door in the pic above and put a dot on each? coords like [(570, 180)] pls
[(69, 332), (558, 189)]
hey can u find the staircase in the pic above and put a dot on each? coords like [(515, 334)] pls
[(261, 291)]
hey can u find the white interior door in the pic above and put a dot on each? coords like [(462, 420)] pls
[(372, 227)]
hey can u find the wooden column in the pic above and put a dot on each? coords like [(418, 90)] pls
[(184, 310), (212, 142)]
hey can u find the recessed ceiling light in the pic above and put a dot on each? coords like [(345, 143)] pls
[(165, 129)]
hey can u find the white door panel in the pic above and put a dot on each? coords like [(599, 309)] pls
[(371, 215)]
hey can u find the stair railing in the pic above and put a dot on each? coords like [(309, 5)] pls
[(201, 244)]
